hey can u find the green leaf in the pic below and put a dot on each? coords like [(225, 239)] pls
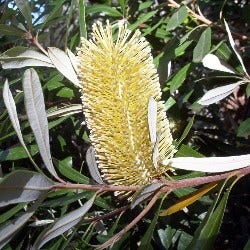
[(82, 19), (206, 233), (9, 213), (19, 57), (142, 19), (65, 92), (187, 151), (102, 8), (177, 18), (17, 153), (66, 170), (247, 246), (179, 78), (186, 131), (65, 111), (203, 46), (63, 64), (248, 90), (23, 186), (244, 128), (24, 7), (63, 224), (169, 103), (8, 231), (35, 108), (10, 30)]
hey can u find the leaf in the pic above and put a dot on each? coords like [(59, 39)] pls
[(169, 103), (144, 193), (186, 131), (35, 109), (65, 92), (13, 211), (103, 8), (179, 78), (8, 231), (218, 94), (177, 18), (65, 111), (23, 186), (24, 7), (17, 153), (152, 119), (66, 170), (188, 199), (10, 30), (206, 233), (186, 150), (92, 166), (147, 237), (82, 18), (73, 59), (213, 62), (20, 57), (63, 224), (244, 128), (247, 246), (233, 45), (203, 45), (209, 164), (63, 64)]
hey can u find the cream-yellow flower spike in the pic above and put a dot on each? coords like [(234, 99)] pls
[(118, 78)]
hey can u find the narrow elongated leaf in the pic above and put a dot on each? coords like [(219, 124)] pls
[(152, 119), (188, 199), (35, 108), (145, 193), (233, 45), (92, 165), (186, 131), (82, 19), (206, 233), (19, 57), (8, 214), (103, 8), (23, 186), (177, 18), (24, 7), (63, 64), (203, 45), (213, 62), (244, 128), (10, 30), (63, 224), (64, 111), (209, 164), (217, 94), (73, 59), (179, 78), (17, 153)]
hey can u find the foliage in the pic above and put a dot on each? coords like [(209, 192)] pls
[(49, 195)]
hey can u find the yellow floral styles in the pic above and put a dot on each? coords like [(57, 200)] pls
[(118, 79)]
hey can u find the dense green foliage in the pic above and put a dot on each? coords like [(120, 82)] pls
[(179, 42)]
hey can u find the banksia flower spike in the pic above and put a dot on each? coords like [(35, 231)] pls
[(118, 79)]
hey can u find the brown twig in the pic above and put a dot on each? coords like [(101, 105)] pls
[(116, 237), (169, 185)]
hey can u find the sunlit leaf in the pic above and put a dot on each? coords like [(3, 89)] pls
[(63, 64), (233, 45), (213, 62), (72, 58), (203, 45), (177, 18), (63, 224), (218, 94), (103, 8), (35, 108), (189, 199), (92, 165), (23, 186), (20, 57), (209, 164), (65, 111), (145, 193)]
